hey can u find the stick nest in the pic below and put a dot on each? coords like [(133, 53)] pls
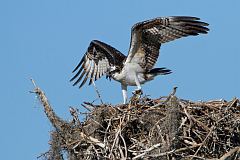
[(163, 128)]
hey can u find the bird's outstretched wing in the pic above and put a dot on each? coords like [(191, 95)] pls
[(96, 61), (147, 36)]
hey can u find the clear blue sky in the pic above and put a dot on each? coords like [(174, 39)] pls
[(45, 39)]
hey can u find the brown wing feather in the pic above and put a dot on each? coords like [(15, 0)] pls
[(96, 61), (148, 36)]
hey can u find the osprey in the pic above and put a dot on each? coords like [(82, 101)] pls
[(136, 68)]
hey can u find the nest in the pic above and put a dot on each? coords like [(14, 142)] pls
[(163, 128)]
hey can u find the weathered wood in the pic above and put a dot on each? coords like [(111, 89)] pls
[(164, 128)]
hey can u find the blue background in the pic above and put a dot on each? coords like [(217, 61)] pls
[(45, 39)]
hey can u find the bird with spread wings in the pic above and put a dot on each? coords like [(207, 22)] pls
[(136, 68)]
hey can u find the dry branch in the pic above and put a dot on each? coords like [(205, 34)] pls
[(163, 128)]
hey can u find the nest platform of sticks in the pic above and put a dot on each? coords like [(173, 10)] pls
[(164, 128)]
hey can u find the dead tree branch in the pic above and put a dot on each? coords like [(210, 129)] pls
[(163, 128)]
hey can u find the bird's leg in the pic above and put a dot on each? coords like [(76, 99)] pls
[(124, 92), (139, 88)]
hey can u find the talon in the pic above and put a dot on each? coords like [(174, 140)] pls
[(138, 92)]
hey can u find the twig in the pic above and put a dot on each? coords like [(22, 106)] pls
[(94, 148), (33, 82), (161, 154), (171, 94), (98, 93), (75, 146), (186, 148), (168, 98), (53, 118), (92, 139), (125, 146), (116, 135), (191, 118), (74, 113), (121, 153), (230, 153), (204, 141), (43, 155), (148, 150), (106, 131), (88, 107), (188, 116), (184, 119)]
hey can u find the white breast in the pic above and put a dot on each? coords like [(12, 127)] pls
[(127, 75)]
